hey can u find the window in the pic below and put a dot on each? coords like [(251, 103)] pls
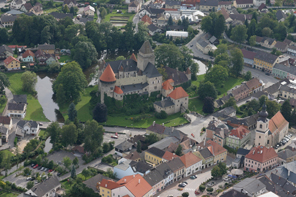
[(260, 126), (259, 136)]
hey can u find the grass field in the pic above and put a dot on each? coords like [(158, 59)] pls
[(7, 152), (119, 15), (8, 194), (230, 83), (34, 109), (2, 107), (64, 58), (197, 82)]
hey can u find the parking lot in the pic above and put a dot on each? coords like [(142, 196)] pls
[(285, 141)]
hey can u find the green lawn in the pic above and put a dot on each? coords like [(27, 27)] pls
[(34, 109), (196, 83), (8, 194), (42, 133), (122, 120), (7, 152), (230, 83), (124, 13), (196, 105), (2, 107), (65, 58)]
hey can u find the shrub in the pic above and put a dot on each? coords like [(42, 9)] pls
[(161, 115), (15, 141), (202, 188), (210, 189)]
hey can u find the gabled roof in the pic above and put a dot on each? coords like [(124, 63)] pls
[(133, 4), (146, 48), (167, 102), (157, 128), (209, 2), (16, 106), (10, 59), (248, 54), (262, 6), (225, 13), (225, 3), (136, 184), (251, 185), (285, 154), (151, 71), (205, 153), (233, 193), (58, 15), (169, 156), (4, 47), (108, 75), (146, 19), (27, 6), (5, 119), (109, 184), (178, 93), (118, 90), (253, 83), (261, 154), (153, 178), (215, 148), (279, 15), (46, 46), (44, 187), (69, 1), (28, 53), (267, 57), (176, 164), (239, 132), (189, 159), (167, 85), (287, 41), (164, 143), (133, 156), (156, 151), (277, 122), (21, 98), (242, 151), (281, 45), (172, 3), (92, 182), (244, 1), (124, 145), (30, 123)]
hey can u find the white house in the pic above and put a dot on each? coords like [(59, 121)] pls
[(128, 167), (47, 188), (177, 34), (166, 173), (89, 10), (17, 110), (28, 127), (123, 147), (192, 163), (6, 121), (16, 4)]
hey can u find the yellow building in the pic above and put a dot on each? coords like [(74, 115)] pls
[(47, 48), (12, 64), (216, 150), (265, 61), (154, 155), (106, 186)]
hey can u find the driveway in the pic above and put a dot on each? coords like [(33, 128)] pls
[(9, 97)]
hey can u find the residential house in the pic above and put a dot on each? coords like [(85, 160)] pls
[(5, 52), (266, 42), (28, 127), (134, 7), (190, 5), (177, 77), (11, 63), (3, 134), (37, 9), (221, 101), (217, 131), (82, 20), (262, 8), (238, 137), (246, 89), (22, 98), (151, 12), (286, 156), (280, 16), (225, 13), (47, 48), (155, 179), (168, 156), (154, 155), (28, 56), (41, 56), (166, 173), (233, 193), (227, 111), (248, 122), (281, 46), (188, 145), (248, 57), (287, 90), (270, 132), (106, 186), (289, 42), (178, 168), (172, 4), (128, 167), (243, 3), (70, 3), (206, 156), (261, 158), (164, 143), (205, 46), (153, 29), (162, 21), (282, 72), (258, 3), (88, 11), (134, 156), (291, 50), (136, 185), (50, 59), (224, 4), (265, 61), (7, 20), (123, 147), (6, 121), (48, 187), (20, 48), (93, 182), (16, 4), (192, 163), (26, 7), (161, 132), (217, 151), (58, 16), (239, 161), (147, 20), (167, 87), (176, 101), (250, 186), (208, 5)]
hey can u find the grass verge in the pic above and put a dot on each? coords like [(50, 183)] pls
[(64, 59), (2, 107)]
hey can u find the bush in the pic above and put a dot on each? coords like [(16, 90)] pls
[(185, 194), (15, 141), (210, 189), (161, 115), (202, 188)]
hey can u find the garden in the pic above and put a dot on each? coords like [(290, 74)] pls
[(119, 19)]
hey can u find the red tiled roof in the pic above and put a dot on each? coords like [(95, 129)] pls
[(215, 148), (13, 46), (178, 93), (10, 59), (146, 19), (225, 3), (239, 132), (277, 122), (225, 13), (248, 54), (189, 159), (188, 71), (169, 156), (133, 57), (5, 119), (108, 75), (261, 154), (118, 90), (109, 184), (28, 53), (136, 184), (167, 85), (253, 83)]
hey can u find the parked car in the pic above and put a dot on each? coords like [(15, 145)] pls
[(191, 45), (59, 174), (196, 192), (29, 179), (183, 184), (32, 165), (46, 169), (40, 124), (226, 179), (50, 170), (267, 74), (35, 166), (42, 168), (193, 177), (114, 136), (39, 167), (210, 184)]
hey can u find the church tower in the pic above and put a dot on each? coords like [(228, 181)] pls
[(262, 130), (145, 56)]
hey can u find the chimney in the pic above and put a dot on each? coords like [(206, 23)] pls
[(125, 180), (153, 123), (162, 124), (134, 176), (139, 181), (105, 185), (205, 142), (173, 153)]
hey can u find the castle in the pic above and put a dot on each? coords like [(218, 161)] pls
[(130, 76)]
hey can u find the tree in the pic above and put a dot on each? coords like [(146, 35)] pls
[(85, 54), (4, 81), (120, 58), (3, 100), (206, 24), (106, 147), (79, 189), (73, 82), (61, 98), (179, 150), (162, 71), (266, 31), (168, 55), (72, 112), (75, 161), (66, 9), (69, 134), (207, 89), (93, 136), (221, 48), (86, 173), (286, 109), (151, 138), (73, 172), (54, 67), (252, 40), (3, 35), (215, 172), (170, 21), (194, 70), (54, 131), (29, 80), (272, 108), (262, 100), (185, 194), (237, 60), (103, 12), (208, 106), (139, 147), (252, 28), (223, 168), (30, 184), (248, 76), (100, 113), (220, 26), (239, 33), (50, 164), (217, 75), (67, 162), (230, 103)]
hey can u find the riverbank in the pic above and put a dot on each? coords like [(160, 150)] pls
[(34, 109)]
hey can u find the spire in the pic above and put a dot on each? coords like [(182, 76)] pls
[(108, 75), (263, 113), (146, 48)]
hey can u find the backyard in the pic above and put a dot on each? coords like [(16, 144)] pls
[(119, 19), (64, 59), (34, 109)]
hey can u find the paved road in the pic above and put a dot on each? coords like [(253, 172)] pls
[(99, 17)]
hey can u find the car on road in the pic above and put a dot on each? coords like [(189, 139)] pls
[(35, 166), (267, 74), (114, 136), (29, 179), (210, 184), (59, 174), (191, 45), (211, 57), (193, 177), (196, 192), (183, 184)]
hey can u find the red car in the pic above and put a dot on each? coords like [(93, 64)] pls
[(35, 166), (50, 170)]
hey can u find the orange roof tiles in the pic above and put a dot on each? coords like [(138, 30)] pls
[(277, 122), (133, 57), (239, 132), (215, 148), (108, 75), (189, 159), (108, 184), (178, 93), (118, 90), (261, 154), (28, 53), (136, 184), (167, 85), (146, 19), (188, 71), (10, 59), (169, 156)]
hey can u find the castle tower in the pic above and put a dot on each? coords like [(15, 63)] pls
[(145, 56), (262, 130), (107, 82)]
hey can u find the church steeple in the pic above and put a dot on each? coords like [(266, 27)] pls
[(263, 113)]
